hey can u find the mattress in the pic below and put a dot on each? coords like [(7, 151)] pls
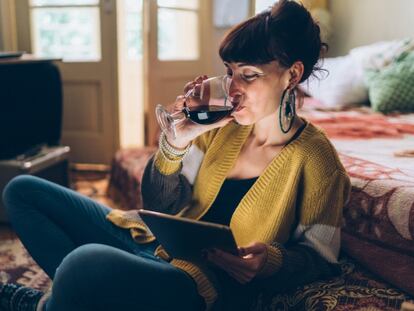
[(378, 153)]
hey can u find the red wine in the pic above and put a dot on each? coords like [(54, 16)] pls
[(207, 114)]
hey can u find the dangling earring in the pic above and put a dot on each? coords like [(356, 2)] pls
[(287, 110)]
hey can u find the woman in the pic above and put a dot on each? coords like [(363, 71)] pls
[(269, 174)]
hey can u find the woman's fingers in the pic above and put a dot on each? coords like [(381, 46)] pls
[(240, 275), (189, 86), (241, 263), (193, 83), (200, 79), (180, 100), (178, 104), (255, 248), (235, 263)]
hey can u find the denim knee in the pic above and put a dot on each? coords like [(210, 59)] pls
[(80, 271), (16, 188)]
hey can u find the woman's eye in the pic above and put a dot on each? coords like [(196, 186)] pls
[(250, 77), (229, 73)]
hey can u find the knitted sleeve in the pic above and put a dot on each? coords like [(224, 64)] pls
[(296, 265), (314, 246), (167, 185)]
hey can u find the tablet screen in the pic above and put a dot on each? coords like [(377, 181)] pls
[(185, 238)]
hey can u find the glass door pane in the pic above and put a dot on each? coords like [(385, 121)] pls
[(132, 25), (69, 33), (177, 35), (178, 30)]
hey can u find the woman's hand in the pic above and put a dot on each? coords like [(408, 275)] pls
[(187, 131), (244, 267)]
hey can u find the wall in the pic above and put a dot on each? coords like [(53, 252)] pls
[(360, 22)]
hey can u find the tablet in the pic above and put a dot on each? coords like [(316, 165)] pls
[(185, 238)]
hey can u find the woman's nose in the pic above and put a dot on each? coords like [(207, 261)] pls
[(235, 93), (235, 88)]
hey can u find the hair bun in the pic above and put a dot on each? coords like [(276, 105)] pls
[(285, 32)]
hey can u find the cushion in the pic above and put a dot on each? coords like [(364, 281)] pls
[(342, 84), (379, 54), (392, 88)]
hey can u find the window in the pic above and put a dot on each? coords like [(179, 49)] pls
[(178, 30), (68, 29), (133, 29), (262, 5)]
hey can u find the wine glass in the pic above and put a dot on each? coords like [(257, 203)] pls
[(206, 103)]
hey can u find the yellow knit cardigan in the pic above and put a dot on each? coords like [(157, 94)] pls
[(298, 197)]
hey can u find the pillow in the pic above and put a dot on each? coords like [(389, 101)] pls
[(380, 54), (392, 88), (342, 85)]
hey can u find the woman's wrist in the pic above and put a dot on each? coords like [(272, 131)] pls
[(177, 143), (172, 152)]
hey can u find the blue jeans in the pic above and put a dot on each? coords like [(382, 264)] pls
[(94, 264)]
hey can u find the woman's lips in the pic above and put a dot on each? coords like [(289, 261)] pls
[(238, 103), (238, 108)]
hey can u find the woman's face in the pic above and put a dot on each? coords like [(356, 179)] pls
[(261, 87)]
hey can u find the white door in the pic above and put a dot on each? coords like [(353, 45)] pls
[(83, 33), (178, 49)]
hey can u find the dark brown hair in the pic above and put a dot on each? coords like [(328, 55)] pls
[(286, 33)]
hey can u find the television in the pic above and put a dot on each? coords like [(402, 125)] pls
[(30, 106)]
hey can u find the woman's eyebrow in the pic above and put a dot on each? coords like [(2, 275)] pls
[(254, 68), (247, 65)]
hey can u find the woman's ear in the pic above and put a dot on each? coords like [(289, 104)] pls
[(296, 73)]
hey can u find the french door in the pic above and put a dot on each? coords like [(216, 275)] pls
[(83, 33)]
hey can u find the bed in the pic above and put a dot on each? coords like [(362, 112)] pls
[(378, 154)]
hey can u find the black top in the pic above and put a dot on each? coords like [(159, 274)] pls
[(230, 195)]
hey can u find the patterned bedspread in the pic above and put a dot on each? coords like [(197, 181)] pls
[(378, 154)]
